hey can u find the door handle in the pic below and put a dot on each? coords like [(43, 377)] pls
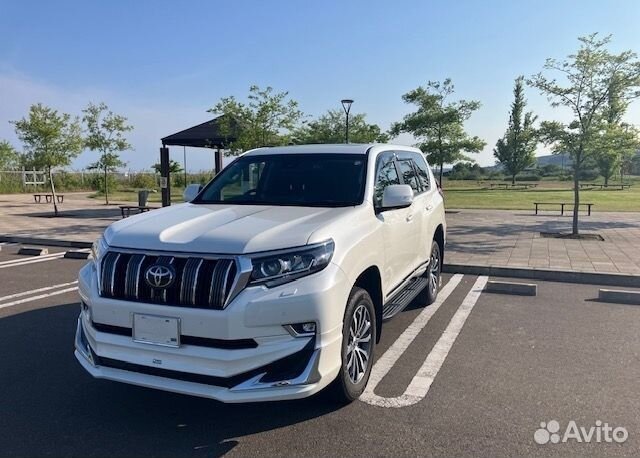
[(429, 207), (409, 217)]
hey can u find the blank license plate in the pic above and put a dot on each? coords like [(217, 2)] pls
[(157, 330)]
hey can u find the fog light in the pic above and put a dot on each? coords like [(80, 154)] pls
[(301, 329), (309, 327)]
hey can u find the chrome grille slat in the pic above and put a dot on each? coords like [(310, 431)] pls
[(217, 283), (223, 289), (189, 281), (201, 281), (132, 284)]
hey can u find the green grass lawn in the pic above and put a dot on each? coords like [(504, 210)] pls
[(470, 194)]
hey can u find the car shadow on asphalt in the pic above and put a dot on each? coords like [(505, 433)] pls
[(50, 406), (79, 213)]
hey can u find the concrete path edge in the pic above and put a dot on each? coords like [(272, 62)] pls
[(48, 242), (565, 276)]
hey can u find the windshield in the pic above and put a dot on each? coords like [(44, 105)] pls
[(323, 180)]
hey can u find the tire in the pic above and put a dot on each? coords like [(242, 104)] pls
[(433, 273), (352, 378)]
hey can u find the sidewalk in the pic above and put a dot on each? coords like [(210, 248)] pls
[(512, 239), (81, 219), (496, 238)]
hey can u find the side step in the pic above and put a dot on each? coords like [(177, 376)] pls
[(403, 298)]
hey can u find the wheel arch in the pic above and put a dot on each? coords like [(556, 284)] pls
[(371, 281)]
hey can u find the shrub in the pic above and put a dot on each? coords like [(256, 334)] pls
[(142, 181), (589, 175), (528, 177)]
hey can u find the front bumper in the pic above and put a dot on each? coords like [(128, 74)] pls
[(280, 366)]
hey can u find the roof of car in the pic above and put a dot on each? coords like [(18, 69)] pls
[(340, 148)]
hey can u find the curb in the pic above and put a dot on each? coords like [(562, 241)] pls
[(565, 276), (619, 296), (509, 287), (48, 242)]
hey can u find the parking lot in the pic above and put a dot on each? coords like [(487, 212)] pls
[(473, 374)]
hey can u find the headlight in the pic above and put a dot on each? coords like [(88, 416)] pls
[(287, 265), (98, 248)]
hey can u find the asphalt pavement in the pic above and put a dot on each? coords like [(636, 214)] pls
[(474, 374)]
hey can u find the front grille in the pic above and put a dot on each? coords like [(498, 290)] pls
[(198, 282)]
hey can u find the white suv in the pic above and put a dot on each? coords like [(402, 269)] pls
[(272, 282)]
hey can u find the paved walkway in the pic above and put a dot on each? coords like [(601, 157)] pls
[(81, 219), (475, 237), (512, 239)]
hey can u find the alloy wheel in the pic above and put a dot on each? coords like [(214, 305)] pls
[(434, 270), (359, 344)]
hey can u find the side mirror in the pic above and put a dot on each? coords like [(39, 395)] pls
[(397, 196), (191, 191)]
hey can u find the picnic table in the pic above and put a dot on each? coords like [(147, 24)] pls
[(512, 186), (127, 209), (37, 198), (602, 186), (563, 204)]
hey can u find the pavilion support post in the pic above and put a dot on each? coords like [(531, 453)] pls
[(165, 178), (218, 155)]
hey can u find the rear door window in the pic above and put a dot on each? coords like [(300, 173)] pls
[(422, 170)]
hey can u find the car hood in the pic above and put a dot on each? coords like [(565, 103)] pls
[(220, 229)]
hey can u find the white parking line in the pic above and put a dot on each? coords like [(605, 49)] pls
[(421, 382), (35, 298), (22, 262), (28, 258), (39, 290)]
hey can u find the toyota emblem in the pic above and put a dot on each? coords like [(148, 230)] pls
[(159, 276)]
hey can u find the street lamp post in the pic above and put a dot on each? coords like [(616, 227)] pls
[(346, 105)]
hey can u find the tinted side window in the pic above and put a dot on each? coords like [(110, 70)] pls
[(386, 174), (409, 175), (423, 172)]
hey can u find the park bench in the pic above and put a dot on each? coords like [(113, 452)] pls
[(37, 198), (622, 187), (562, 205), (126, 209)]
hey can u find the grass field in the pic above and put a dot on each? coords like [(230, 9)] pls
[(470, 194)]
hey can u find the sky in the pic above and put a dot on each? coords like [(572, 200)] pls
[(163, 64)]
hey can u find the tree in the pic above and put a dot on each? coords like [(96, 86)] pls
[(8, 155), (589, 76), (515, 151), (329, 128), (266, 120), (617, 140), (438, 125), (174, 167), (106, 134), (50, 139)]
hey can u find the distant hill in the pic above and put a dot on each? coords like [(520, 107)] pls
[(554, 159)]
